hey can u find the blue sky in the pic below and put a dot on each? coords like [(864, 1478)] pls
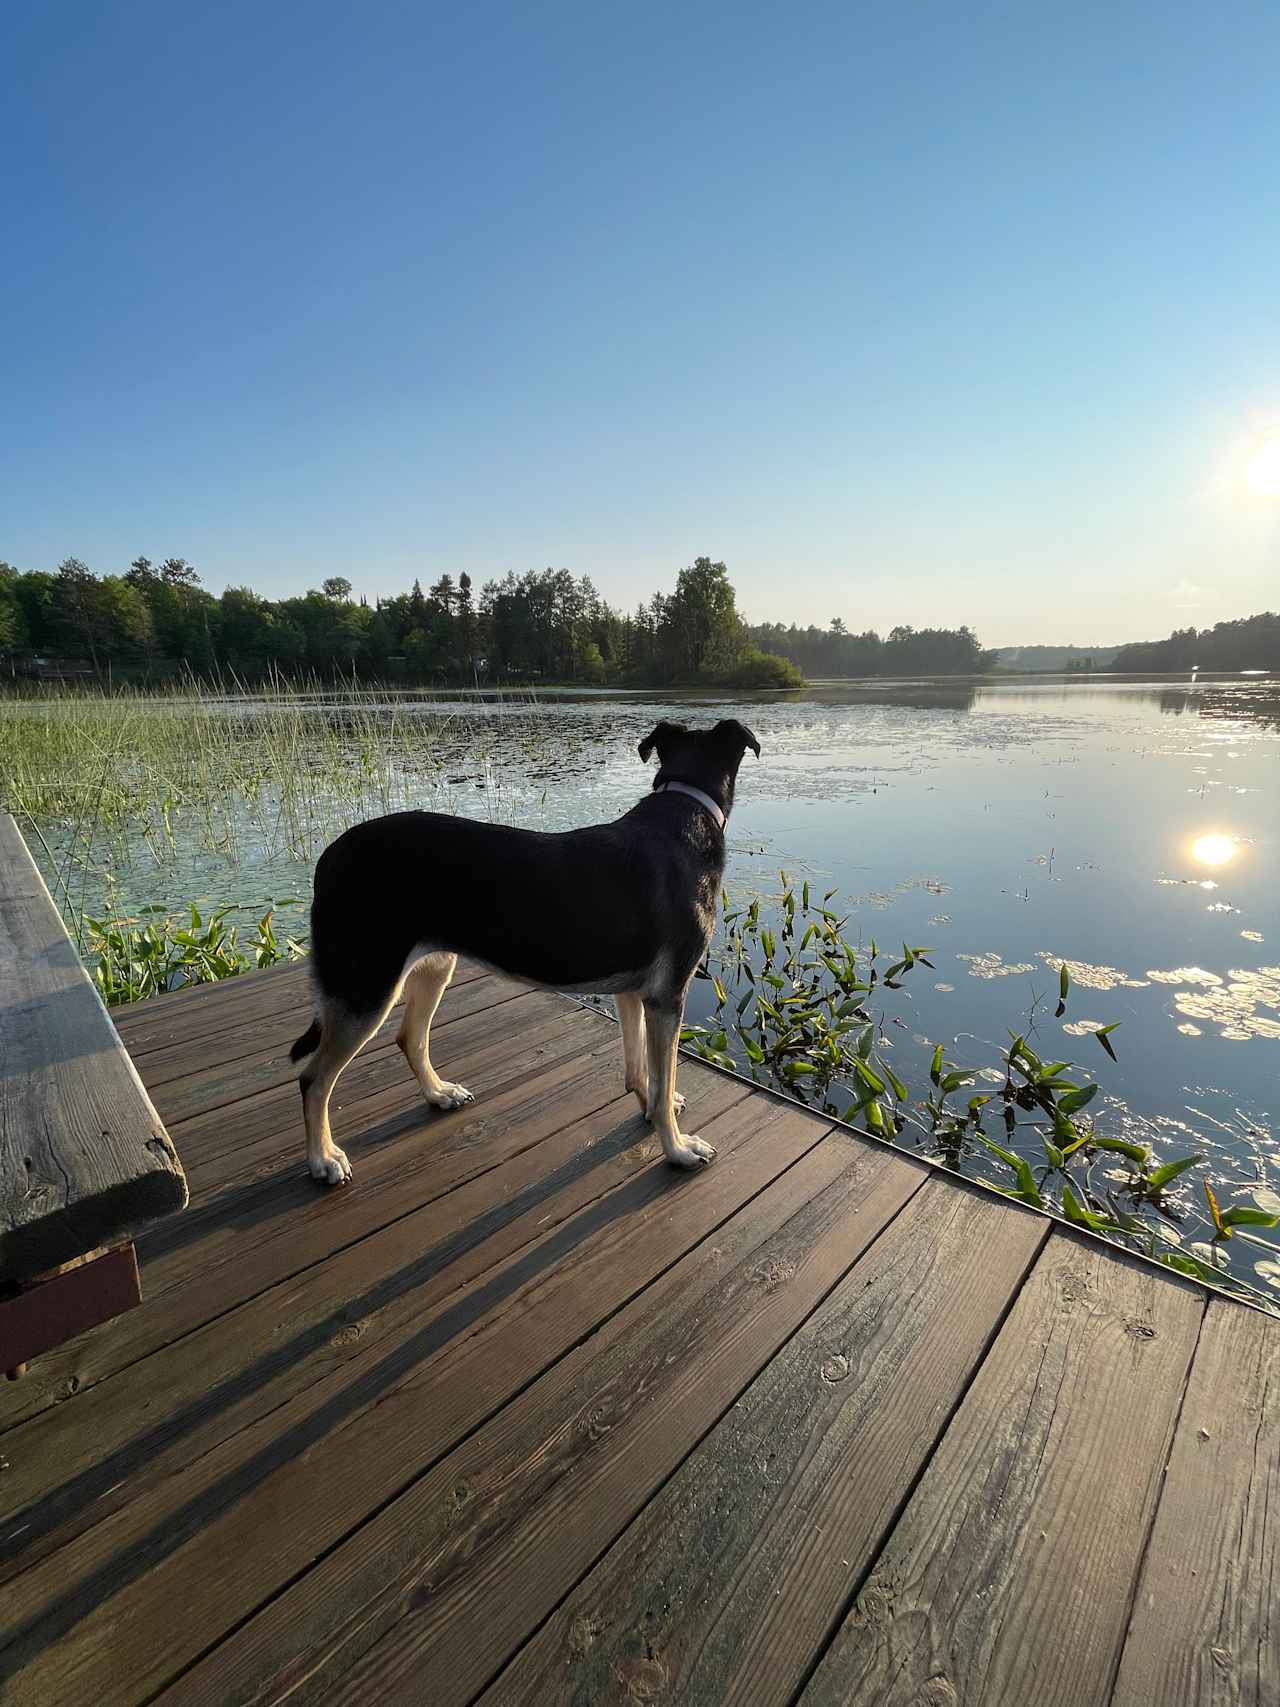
[(910, 312)]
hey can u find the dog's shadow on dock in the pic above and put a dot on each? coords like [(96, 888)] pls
[(79, 1494)]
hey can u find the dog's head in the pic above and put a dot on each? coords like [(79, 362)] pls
[(705, 758)]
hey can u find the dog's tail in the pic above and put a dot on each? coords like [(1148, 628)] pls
[(306, 1044)]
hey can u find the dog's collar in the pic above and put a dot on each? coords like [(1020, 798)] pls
[(696, 794)]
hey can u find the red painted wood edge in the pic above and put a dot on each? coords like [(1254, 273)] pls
[(44, 1313)]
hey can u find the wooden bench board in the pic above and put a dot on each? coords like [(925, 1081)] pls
[(84, 1158)]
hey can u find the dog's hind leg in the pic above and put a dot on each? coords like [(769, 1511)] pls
[(662, 1034), (343, 1035), (635, 1055), (423, 989), (635, 1061)]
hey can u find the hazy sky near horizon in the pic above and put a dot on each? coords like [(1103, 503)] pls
[(918, 313)]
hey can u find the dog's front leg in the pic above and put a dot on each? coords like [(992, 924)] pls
[(635, 1054), (662, 1035)]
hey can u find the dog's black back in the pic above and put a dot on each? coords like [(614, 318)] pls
[(628, 905)]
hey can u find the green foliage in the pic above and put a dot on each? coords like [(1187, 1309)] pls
[(133, 958), (1249, 643), (756, 669), (834, 651), (803, 1007), (591, 664), (543, 626), (13, 627)]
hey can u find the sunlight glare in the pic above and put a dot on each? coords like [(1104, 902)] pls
[(1213, 850), (1262, 473)]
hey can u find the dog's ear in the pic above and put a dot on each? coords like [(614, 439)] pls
[(730, 729), (661, 737)]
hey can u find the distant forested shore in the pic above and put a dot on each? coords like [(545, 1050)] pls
[(1249, 643), (156, 621)]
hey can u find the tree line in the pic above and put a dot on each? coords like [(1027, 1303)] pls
[(156, 618), (834, 651), (545, 625), (1248, 643)]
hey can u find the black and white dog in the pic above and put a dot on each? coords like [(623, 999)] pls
[(625, 909)]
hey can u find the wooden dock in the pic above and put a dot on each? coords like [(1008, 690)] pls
[(524, 1416)]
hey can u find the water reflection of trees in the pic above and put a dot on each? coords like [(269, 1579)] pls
[(942, 694), (1244, 704)]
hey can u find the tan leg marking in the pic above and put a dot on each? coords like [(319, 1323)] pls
[(635, 1062), (423, 989), (662, 1032), (635, 1055), (342, 1038)]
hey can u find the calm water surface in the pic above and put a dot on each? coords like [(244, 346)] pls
[(1130, 829)]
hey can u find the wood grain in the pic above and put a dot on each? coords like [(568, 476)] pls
[(726, 1587), (523, 1398), (135, 1439), (202, 1011), (84, 1158), (208, 1085), (179, 1007), (360, 1436), (210, 1010), (277, 1223), (1206, 1621), (253, 1041), (273, 1108), (455, 1573), (1008, 1576)]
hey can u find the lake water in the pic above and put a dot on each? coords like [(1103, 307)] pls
[(1127, 828)]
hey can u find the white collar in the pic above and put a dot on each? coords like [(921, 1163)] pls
[(698, 795)]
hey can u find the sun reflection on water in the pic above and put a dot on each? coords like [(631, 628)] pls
[(1213, 849)]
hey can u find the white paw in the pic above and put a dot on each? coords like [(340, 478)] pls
[(678, 1099), (450, 1096), (330, 1169), (691, 1153)]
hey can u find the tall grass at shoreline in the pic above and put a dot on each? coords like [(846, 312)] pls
[(98, 780)]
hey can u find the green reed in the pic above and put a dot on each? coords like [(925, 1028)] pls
[(104, 778), (794, 1005), (131, 959)]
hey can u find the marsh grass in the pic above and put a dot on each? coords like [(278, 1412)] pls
[(102, 780)]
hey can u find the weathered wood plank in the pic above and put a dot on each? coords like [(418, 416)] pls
[(267, 1028), (125, 1440), (206, 1000), (225, 1144), (728, 1584), (209, 1009), (1008, 1576), (275, 1227), (84, 1159), (268, 1142), (355, 1441), (233, 1223), (203, 1011), (449, 1578), (1205, 1630), (210, 1084)]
